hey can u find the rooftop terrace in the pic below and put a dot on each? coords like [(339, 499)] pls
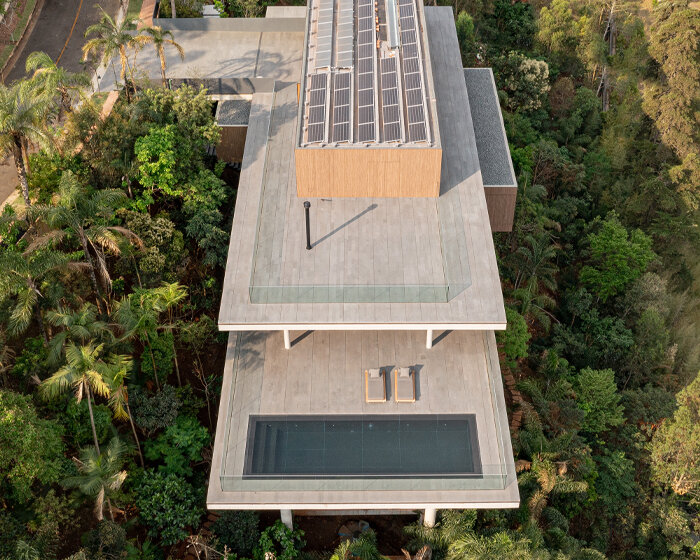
[(322, 375), (375, 262)]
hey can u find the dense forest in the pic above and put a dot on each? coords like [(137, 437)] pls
[(111, 269)]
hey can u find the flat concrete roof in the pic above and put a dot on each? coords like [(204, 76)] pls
[(226, 53), (363, 243), (489, 132), (322, 374)]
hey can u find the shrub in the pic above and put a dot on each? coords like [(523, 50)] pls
[(76, 419), (167, 504), (162, 348), (597, 396), (515, 338), (153, 412), (239, 531), (278, 539), (31, 450), (178, 446), (106, 541)]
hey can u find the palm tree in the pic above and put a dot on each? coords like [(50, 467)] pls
[(111, 40), (500, 545), (167, 297), (119, 368), (22, 117), (138, 318), (550, 478), (82, 217), (85, 373), (21, 276), (159, 39), (101, 475), (51, 79), (78, 327)]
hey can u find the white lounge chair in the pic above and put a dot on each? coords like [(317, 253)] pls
[(405, 384)]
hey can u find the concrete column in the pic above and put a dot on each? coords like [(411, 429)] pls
[(429, 517), (286, 515), (429, 339), (287, 342)]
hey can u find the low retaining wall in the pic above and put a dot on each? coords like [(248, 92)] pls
[(241, 25)]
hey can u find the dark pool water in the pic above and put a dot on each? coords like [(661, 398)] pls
[(420, 445)]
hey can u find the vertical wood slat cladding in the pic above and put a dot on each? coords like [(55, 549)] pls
[(368, 172), (231, 143), (500, 202)]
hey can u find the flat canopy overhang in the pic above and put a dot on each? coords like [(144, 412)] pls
[(321, 376), (439, 248)]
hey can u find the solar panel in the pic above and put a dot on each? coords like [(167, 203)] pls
[(390, 100), (341, 107), (324, 34), (345, 32), (317, 108), (366, 60), (412, 74)]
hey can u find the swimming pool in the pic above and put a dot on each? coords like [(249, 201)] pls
[(411, 446)]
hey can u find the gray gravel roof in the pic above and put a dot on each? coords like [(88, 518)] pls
[(232, 112), (491, 143)]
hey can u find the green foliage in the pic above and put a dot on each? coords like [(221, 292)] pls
[(676, 447), (145, 551), (597, 396), (32, 360), (106, 541), (163, 245), (160, 351), (178, 446), (239, 530), (524, 80), (101, 475), (31, 450), (618, 257), (465, 35), (167, 505), (154, 412), (76, 419), (183, 8), (280, 540), (515, 338)]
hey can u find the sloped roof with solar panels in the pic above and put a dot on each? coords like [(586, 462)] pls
[(365, 80)]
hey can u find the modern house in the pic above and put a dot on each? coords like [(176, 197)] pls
[(362, 372)]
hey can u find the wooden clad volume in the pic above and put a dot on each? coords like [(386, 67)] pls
[(368, 172), (232, 143), (500, 202)]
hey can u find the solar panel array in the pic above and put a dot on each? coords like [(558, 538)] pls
[(366, 60), (412, 72), (317, 108), (341, 107), (357, 91), (324, 34), (345, 28), (390, 100)]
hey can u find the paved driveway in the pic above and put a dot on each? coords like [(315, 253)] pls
[(60, 27)]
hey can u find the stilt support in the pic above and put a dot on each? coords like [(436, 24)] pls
[(287, 342), (429, 517), (429, 339), (286, 515)]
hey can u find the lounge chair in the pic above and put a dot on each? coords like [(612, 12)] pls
[(375, 386), (405, 384)]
